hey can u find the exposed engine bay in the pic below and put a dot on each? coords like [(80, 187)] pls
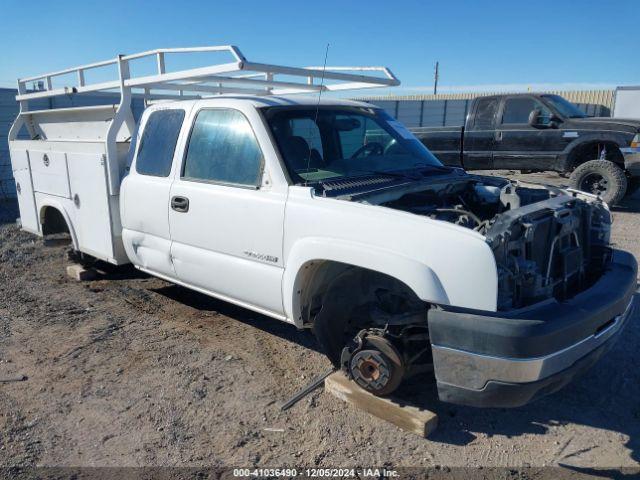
[(547, 242)]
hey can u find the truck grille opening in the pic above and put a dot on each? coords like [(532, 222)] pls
[(554, 249)]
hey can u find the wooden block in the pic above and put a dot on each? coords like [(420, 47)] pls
[(79, 273), (407, 417)]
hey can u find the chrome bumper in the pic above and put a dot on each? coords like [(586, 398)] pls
[(472, 371)]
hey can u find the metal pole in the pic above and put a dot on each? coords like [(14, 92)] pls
[(435, 79)]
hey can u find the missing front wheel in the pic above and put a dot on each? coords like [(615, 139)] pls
[(373, 362)]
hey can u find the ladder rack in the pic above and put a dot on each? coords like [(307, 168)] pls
[(114, 125), (239, 76)]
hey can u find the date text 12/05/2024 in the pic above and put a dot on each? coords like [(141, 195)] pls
[(315, 472)]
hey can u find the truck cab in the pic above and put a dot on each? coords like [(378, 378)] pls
[(205, 194), (214, 186)]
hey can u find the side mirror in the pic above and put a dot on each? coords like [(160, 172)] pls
[(554, 121), (534, 118), (537, 120)]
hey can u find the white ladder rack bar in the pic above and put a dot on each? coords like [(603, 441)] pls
[(259, 77), (238, 76), (196, 87)]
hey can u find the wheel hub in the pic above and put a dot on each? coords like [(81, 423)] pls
[(375, 365), (594, 183), (371, 370)]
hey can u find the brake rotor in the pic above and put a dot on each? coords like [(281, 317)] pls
[(377, 367)]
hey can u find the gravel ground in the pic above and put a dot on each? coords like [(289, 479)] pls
[(128, 370)]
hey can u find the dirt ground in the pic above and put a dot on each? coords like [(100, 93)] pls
[(129, 370)]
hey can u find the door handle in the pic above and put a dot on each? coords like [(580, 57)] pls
[(180, 204)]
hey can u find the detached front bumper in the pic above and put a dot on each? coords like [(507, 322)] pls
[(507, 360)]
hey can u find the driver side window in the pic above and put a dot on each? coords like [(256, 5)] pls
[(517, 110)]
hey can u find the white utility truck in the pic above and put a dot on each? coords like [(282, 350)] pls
[(327, 214)]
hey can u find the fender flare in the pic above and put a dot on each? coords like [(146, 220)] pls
[(417, 276), (51, 203), (586, 139)]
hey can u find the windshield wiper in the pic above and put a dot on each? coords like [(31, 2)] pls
[(415, 174)]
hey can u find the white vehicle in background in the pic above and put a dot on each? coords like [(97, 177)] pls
[(627, 102), (328, 214)]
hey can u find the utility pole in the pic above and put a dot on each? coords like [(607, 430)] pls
[(435, 79)]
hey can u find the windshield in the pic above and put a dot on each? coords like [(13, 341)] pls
[(564, 106), (330, 142)]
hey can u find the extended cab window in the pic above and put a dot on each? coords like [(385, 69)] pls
[(223, 149), (517, 110), (158, 142)]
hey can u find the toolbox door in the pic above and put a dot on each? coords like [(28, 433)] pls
[(50, 173), (24, 190), (91, 204)]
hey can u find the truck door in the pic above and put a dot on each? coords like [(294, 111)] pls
[(226, 223), (144, 193), (479, 134), (522, 146)]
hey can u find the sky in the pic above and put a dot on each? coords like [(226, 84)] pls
[(480, 45)]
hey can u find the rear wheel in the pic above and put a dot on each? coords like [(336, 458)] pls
[(600, 177)]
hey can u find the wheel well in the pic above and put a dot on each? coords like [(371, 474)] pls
[(593, 150), (53, 221), (318, 275)]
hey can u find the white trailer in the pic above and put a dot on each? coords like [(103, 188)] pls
[(73, 164), (627, 103)]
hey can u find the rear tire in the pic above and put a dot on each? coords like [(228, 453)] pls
[(600, 177)]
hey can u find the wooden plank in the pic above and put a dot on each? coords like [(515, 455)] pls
[(408, 417), (79, 273)]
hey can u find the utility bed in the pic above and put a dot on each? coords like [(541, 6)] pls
[(65, 168)]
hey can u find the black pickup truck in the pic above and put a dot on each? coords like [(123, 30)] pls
[(538, 132)]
